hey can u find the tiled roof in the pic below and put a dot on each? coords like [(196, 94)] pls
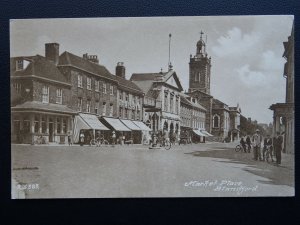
[(70, 59), (128, 85), (144, 76), (185, 100), (35, 105), (39, 67)]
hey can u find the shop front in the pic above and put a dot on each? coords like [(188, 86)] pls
[(123, 133), (29, 127)]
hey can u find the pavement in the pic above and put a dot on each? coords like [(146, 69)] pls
[(197, 170)]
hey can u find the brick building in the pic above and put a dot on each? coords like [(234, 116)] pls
[(53, 94), (41, 106)]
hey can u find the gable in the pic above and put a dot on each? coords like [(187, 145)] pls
[(173, 81)]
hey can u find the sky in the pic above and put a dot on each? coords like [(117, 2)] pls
[(246, 51)]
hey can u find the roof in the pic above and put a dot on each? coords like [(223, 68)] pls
[(39, 67), (154, 77), (69, 59), (197, 105), (145, 76), (128, 85), (187, 101), (35, 105), (194, 91)]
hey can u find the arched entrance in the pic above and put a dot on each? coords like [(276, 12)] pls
[(166, 125), (171, 128), (155, 122)]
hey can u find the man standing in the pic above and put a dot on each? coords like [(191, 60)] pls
[(248, 141), (278, 147), (256, 140)]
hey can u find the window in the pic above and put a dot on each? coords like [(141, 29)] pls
[(58, 96), (120, 112), (88, 106), (43, 124), (111, 110), (88, 83), (79, 104), (104, 88), (17, 87), (121, 95), (96, 107), (19, 65), (64, 125), (166, 102), (26, 124), (45, 94), (104, 109), (138, 115), (126, 113), (171, 103), (97, 85), (133, 115), (36, 124), (58, 125), (79, 80), (126, 97), (111, 90), (216, 121)]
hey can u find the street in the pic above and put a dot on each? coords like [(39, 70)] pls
[(198, 170)]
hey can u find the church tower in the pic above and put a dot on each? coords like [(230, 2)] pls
[(200, 66)]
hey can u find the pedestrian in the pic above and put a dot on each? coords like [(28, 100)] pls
[(69, 138), (256, 140), (267, 147), (278, 147), (243, 144), (81, 136), (248, 142), (113, 138)]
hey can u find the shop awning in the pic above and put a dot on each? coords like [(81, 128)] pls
[(131, 125), (116, 124), (199, 133), (205, 132), (93, 122), (142, 125)]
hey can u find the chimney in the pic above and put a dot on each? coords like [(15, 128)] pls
[(52, 52), (91, 58), (120, 70)]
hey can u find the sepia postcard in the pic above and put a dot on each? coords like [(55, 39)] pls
[(152, 107)]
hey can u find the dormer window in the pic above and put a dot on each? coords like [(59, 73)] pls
[(19, 65)]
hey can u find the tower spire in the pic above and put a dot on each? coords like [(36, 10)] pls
[(201, 33)]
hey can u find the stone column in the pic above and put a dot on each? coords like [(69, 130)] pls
[(274, 126), (40, 123), (32, 127), (277, 124), (47, 124)]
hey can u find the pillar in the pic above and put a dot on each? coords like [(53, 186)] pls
[(40, 123), (32, 127), (277, 124), (47, 124)]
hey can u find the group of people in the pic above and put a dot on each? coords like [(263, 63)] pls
[(271, 146)]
